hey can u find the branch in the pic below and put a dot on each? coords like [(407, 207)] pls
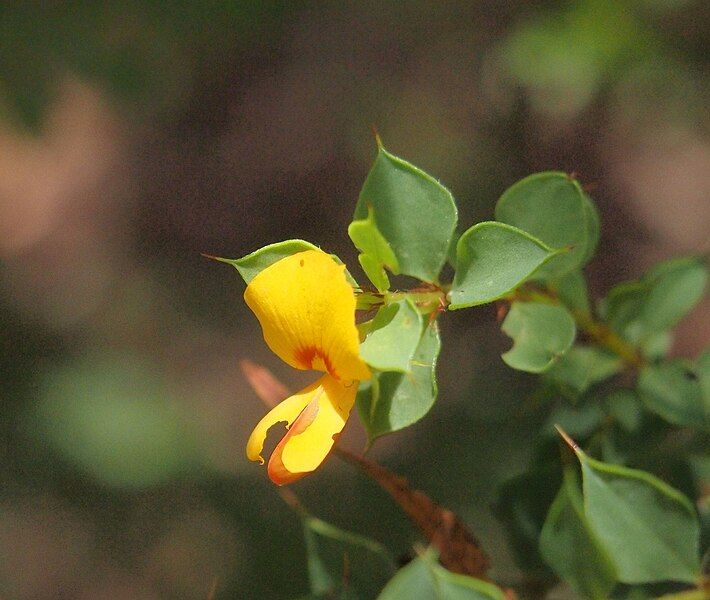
[(459, 551)]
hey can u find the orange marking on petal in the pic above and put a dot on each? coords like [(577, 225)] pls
[(306, 308), (276, 469), (314, 358)]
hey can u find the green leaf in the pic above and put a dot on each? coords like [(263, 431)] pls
[(703, 370), (425, 579), (582, 367), (521, 505), (655, 346), (415, 214), (451, 252), (570, 546), (593, 227), (322, 581), (392, 401), (650, 530), (622, 307), (572, 291), (374, 271), (343, 562), (673, 391), (625, 408), (676, 286), (579, 421), (552, 207), (642, 310), (114, 418), (375, 252), (252, 264), (493, 259), (541, 334), (394, 336)]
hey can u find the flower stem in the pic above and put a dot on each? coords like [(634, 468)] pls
[(428, 298)]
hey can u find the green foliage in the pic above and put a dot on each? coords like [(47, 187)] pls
[(414, 212), (425, 579), (572, 291), (393, 337), (493, 259), (344, 564), (673, 391), (640, 310), (674, 288), (579, 420), (108, 483), (115, 421), (625, 408), (522, 505), (562, 58), (393, 401), (626, 528), (375, 252), (649, 530), (541, 334), (571, 547), (582, 367), (252, 264), (552, 207), (702, 369)]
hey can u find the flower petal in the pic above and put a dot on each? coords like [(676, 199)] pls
[(286, 411), (306, 309), (311, 437)]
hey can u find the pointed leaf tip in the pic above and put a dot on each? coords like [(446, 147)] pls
[(553, 207), (415, 214), (568, 440), (493, 259), (378, 139), (228, 261)]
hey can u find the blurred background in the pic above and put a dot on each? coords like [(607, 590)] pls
[(134, 136)]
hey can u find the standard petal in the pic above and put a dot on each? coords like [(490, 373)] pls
[(286, 411), (312, 435), (306, 309)]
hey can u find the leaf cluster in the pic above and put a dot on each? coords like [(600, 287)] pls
[(607, 524)]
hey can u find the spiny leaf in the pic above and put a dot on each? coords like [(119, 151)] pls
[(340, 563), (415, 214), (541, 334), (552, 207), (650, 530), (393, 337), (642, 310), (569, 544), (391, 401), (491, 260), (252, 264), (375, 252), (673, 390), (582, 367), (425, 579)]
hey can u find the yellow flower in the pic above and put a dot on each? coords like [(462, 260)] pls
[(306, 308)]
